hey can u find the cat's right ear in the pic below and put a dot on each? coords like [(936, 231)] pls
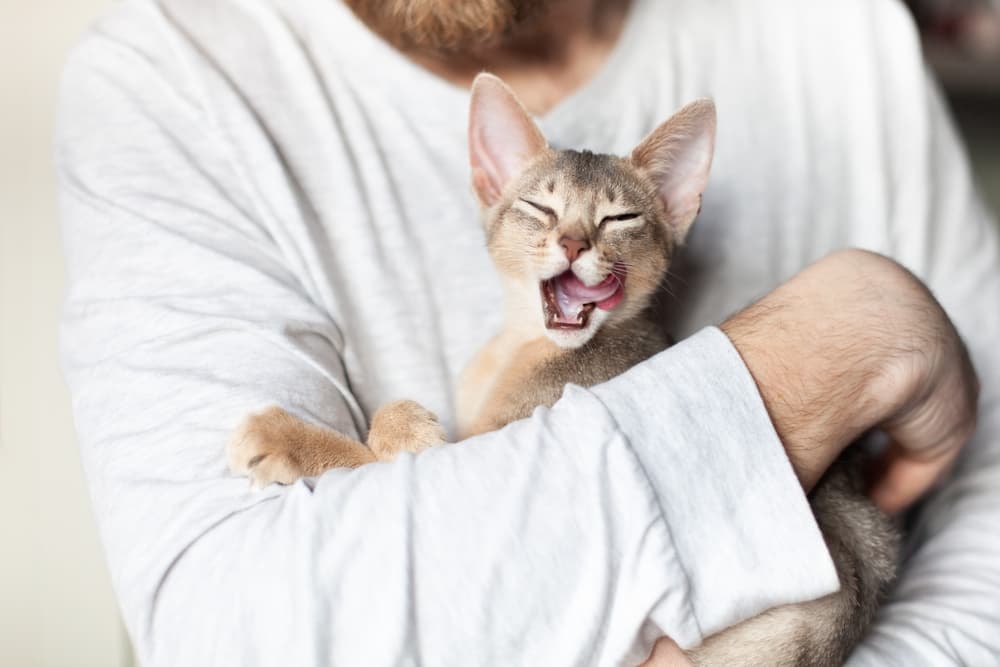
[(502, 137)]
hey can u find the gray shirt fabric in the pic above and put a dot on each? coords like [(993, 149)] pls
[(263, 203)]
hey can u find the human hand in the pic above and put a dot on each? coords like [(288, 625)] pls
[(856, 342)]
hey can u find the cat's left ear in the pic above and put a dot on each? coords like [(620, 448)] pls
[(677, 157), (502, 137)]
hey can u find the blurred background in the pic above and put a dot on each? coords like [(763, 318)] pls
[(962, 45), (56, 604)]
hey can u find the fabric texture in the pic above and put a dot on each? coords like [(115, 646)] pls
[(263, 203)]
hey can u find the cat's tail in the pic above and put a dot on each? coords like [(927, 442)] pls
[(864, 546)]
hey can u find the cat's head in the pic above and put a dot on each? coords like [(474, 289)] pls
[(583, 240)]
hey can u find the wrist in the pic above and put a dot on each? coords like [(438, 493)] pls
[(815, 421), (814, 349)]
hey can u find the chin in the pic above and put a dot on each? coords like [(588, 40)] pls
[(572, 338)]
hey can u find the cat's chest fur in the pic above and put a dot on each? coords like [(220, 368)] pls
[(514, 374)]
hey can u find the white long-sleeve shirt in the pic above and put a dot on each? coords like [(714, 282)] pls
[(263, 203)]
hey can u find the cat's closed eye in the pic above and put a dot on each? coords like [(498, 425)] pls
[(539, 207), (621, 217)]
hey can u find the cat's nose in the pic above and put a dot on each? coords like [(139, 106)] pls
[(574, 247)]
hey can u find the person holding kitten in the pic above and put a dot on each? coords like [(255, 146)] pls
[(269, 203)]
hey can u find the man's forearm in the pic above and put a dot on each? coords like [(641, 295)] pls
[(852, 343), (815, 357)]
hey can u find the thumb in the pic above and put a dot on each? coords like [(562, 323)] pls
[(903, 478)]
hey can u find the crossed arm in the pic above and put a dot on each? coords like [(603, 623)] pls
[(852, 343)]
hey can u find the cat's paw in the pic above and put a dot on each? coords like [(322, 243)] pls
[(262, 448), (403, 426)]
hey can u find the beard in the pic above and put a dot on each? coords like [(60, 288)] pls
[(444, 26)]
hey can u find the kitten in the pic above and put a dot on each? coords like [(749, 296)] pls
[(582, 242)]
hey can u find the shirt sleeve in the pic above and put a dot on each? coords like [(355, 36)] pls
[(945, 609), (574, 537)]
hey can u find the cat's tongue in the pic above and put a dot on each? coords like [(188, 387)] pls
[(572, 296)]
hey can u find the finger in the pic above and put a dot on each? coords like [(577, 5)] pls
[(666, 654), (903, 479)]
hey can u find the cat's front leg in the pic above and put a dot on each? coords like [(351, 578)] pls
[(275, 446), (403, 426)]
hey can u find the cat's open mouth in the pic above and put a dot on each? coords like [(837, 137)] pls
[(567, 303)]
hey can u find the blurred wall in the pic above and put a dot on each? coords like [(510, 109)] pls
[(56, 604)]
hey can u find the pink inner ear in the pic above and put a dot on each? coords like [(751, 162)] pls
[(502, 137), (677, 156), (484, 186), (686, 175)]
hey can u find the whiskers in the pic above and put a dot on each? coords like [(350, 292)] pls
[(670, 276), (639, 272)]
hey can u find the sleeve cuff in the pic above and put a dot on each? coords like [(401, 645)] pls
[(742, 526)]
